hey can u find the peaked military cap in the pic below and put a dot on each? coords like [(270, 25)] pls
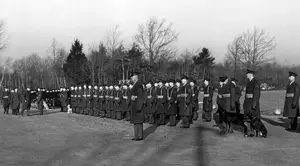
[(222, 78), (250, 71), (134, 73), (172, 80), (292, 74), (233, 79)]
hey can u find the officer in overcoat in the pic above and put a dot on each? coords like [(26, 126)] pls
[(172, 98), (39, 100), (124, 107), (195, 102), (16, 102), (207, 105), (229, 106), (63, 99), (137, 107), (185, 102), (117, 104), (5, 98), (150, 102), (251, 103), (291, 104), (27, 102), (161, 96), (100, 104)]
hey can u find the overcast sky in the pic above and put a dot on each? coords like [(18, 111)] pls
[(32, 24)]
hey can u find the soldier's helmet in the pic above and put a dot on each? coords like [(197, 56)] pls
[(72, 87), (84, 86), (90, 86), (79, 87), (111, 87), (12, 91), (39, 89), (95, 87), (125, 86), (28, 88), (6, 89), (47, 91), (75, 87)]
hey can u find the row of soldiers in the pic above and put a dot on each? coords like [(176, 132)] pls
[(161, 101)]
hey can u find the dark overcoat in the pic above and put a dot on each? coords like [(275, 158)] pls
[(251, 102), (137, 104), (195, 96), (27, 100), (172, 108), (15, 100), (150, 101), (291, 104), (5, 97), (95, 98), (117, 100), (161, 97), (39, 100), (228, 97), (185, 100), (207, 98), (125, 101)]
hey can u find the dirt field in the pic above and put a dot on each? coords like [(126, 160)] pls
[(70, 140)]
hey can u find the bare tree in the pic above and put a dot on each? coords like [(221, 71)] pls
[(155, 37), (233, 55), (6, 68), (3, 38), (253, 47), (112, 40)]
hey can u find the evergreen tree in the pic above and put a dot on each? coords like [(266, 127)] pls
[(73, 68), (205, 60)]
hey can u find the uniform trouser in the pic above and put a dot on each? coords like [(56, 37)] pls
[(113, 114), (119, 115), (195, 114), (207, 115), (108, 113), (91, 111), (128, 115), (82, 110), (16, 112), (146, 116), (138, 131), (185, 121), (27, 111), (41, 111), (294, 123), (151, 118), (162, 119), (6, 110), (63, 109), (172, 120), (102, 114)]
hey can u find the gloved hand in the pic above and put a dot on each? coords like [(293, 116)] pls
[(253, 107)]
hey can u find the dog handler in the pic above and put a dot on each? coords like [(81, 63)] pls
[(251, 102)]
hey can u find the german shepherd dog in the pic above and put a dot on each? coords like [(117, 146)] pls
[(259, 127)]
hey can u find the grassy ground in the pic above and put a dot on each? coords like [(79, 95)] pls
[(70, 139)]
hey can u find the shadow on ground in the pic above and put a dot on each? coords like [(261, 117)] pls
[(45, 112), (282, 123)]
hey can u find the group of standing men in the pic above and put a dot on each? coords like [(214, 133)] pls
[(158, 103), (16, 100)]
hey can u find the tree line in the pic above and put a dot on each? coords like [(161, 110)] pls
[(153, 53)]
